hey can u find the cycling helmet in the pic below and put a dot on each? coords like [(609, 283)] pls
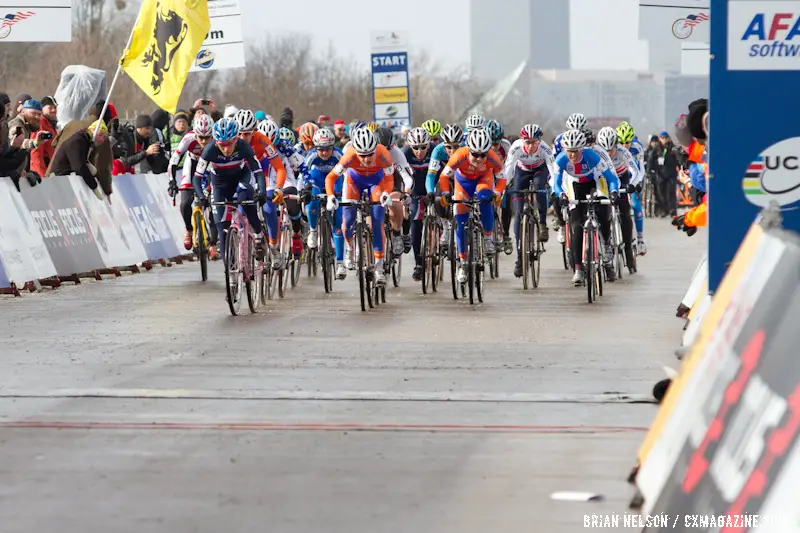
[(246, 121), (479, 141), (356, 124), (203, 126), (625, 133), (364, 141), (385, 137), (260, 115), (531, 131), (433, 127), (269, 128), (576, 121), (324, 138), (573, 140), (307, 132), (590, 138), (373, 126), (452, 134), (418, 137), (607, 138), (226, 129), (495, 130), (230, 111), (287, 135), (475, 122)]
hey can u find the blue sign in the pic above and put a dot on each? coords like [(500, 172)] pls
[(390, 62), (391, 93), (147, 216), (754, 141)]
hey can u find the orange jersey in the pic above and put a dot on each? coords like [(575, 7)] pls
[(264, 149), (351, 161), (460, 161)]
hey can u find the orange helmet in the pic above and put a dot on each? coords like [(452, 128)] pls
[(307, 132)]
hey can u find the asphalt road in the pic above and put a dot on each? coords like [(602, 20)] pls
[(140, 405)]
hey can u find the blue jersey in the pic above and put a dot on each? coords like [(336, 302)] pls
[(438, 161), (557, 145), (316, 169), (637, 151), (228, 170), (291, 154), (336, 151), (419, 169), (590, 168)]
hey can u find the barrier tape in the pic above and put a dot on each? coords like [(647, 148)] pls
[(61, 229)]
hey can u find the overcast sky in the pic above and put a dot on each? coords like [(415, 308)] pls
[(601, 34)]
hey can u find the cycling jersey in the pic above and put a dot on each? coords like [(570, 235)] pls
[(314, 165), (591, 167), (557, 149), (624, 162), (419, 169), (302, 150), (439, 159), (229, 171), (352, 163), (336, 151), (519, 158), (503, 149), (605, 157), (637, 151), (460, 161), (193, 149), (267, 155), (289, 152)]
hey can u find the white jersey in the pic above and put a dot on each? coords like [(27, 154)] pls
[(192, 149), (623, 161), (605, 158), (291, 178), (401, 164), (518, 158)]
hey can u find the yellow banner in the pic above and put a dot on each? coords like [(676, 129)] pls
[(391, 96), (166, 39)]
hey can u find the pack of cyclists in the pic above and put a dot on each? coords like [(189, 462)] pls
[(251, 159)]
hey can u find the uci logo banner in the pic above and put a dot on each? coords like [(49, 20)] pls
[(764, 35), (774, 175)]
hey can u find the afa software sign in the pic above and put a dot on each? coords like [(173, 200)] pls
[(35, 22), (391, 94), (764, 35)]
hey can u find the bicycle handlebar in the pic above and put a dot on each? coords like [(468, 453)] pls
[(358, 202), (236, 202), (601, 201)]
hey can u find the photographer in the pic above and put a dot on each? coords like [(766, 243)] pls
[(138, 148), (668, 174), (13, 161), (28, 122), (43, 154)]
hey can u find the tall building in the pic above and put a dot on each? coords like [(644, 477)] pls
[(504, 34)]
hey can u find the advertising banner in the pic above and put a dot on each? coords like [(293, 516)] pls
[(146, 215), (744, 429), (22, 250), (159, 189), (63, 226), (39, 21), (114, 232), (391, 93), (755, 46), (224, 45)]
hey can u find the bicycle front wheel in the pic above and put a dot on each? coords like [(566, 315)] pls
[(233, 276), (480, 262), (535, 254), (453, 255), (525, 246), (200, 243), (325, 253), (255, 281), (589, 264), (425, 252)]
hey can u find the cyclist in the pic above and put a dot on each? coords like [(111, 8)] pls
[(576, 121), (529, 161), (418, 154), (368, 166), (441, 154), (629, 176), (586, 172), (474, 122), (192, 145), (403, 182), (233, 164), (434, 129), (319, 163), (474, 168), (627, 136), (287, 135), (373, 126), (306, 135), (500, 144)]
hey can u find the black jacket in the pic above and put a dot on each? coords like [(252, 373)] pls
[(669, 170), (73, 156), (124, 140)]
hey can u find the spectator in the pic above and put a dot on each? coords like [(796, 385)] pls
[(13, 161), (21, 99), (652, 156), (668, 174), (43, 153), (138, 148), (161, 130), (180, 127), (102, 156), (196, 112), (202, 103), (216, 115), (338, 130), (74, 155), (323, 120), (287, 118), (23, 130)]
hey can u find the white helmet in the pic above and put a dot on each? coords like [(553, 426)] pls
[(324, 138), (268, 128), (479, 141), (573, 140), (531, 131), (576, 121), (607, 138), (475, 122), (246, 121), (364, 141), (418, 137), (202, 126), (230, 110), (452, 134)]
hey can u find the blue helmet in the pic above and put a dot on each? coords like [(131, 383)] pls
[(287, 135), (226, 129), (495, 130)]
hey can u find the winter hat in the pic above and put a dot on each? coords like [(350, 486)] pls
[(23, 97), (143, 121), (181, 114), (694, 120), (160, 119), (48, 100), (4, 99)]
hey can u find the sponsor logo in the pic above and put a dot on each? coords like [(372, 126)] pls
[(386, 96), (13, 18), (682, 28), (205, 58), (392, 111), (770, 31), (774, 175)]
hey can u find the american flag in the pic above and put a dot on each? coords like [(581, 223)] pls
[(13, 18), (694, 20)]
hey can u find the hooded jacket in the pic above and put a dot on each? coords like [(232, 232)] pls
[(43, 154), (100, 156)]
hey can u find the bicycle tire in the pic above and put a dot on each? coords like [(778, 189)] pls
[(471, 259), (498, 237), (233, 285), (524, 247), (369, 261), (297, 267), (199, 239), (425, 252), (324, 252), (254, 293), (535, 255), (480, 263), (397, 270), (452, 254), (588, 239), (266, 279), (600, 271), (436, 260)]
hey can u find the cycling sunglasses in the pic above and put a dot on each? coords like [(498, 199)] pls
[(452, 146), (479, 156), (420, 148)]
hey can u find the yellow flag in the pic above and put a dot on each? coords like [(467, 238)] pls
[(166, 39)]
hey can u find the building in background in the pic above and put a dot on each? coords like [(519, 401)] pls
[(536, 31)]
